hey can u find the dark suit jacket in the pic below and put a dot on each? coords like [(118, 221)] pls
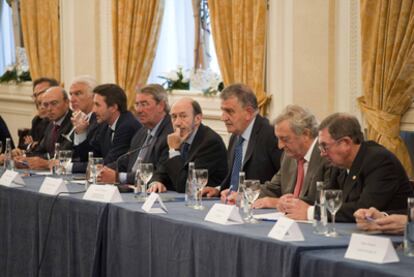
[(42, 148), (80, 154), (39, 126), (157, 151), (206, 151), (37, 130), (376, 179), (319, 169), (101, 144), (5, 133), (262, 159)]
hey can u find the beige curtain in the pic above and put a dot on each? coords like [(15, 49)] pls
[(239, 31), (387, 33), (135, 28), (41, 36)]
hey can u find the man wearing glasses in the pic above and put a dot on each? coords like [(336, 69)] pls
[(301, 165), (56, 102), (40, 121), (367, 173)]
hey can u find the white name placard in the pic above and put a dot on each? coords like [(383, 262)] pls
[(149, 203), (53, 186), (11, 179), (372, 249), (103, 193), (224, 214), (286, 229)]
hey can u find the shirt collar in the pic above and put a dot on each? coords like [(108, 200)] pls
[(59, 122), (308, 155), (113, 126), (155, 129), (191, 137), (248, 132)]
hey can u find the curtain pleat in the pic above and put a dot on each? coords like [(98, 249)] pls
[(387, 37)]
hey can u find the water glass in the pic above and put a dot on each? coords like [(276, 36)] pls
[(251, 191), (65, 158), (333, 201), (145, 174), (97, 166), (201, 178), (409, 229)]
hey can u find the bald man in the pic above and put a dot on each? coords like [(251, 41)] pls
[(56, 102), (191, 142)]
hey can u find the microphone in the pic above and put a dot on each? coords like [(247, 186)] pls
[(126, 155)]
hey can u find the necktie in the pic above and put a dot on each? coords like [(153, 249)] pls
[(53, 138), (299, 178), (237, 164), (184, 150), (143, 152)]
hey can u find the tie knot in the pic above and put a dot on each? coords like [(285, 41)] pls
[(301, 161), (240, 141)]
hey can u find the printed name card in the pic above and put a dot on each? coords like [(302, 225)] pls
[(53, 186), (286, 229), (224, 214), (11, 179), (149, 203), (372, 249), (103, 193)]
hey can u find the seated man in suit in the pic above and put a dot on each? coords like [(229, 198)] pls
[(40, 121), (253, 145), (301, 165), (83, 119), (149, 144), (56, 101), (116, 128), (191, 142), (367, 173)]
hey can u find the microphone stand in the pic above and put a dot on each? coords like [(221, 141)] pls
[(121, 187)]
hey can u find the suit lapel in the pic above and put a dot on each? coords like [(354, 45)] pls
[(353, 174), (252, 140), (195, 145), (313, 165)]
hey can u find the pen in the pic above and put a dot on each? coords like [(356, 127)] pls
[(369, 219), (228, 194), (268, 219)]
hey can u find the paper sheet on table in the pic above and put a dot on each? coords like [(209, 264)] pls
[(81, 182), (42, 173), (269, 216)]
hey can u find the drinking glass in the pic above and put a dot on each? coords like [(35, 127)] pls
[(251, 191), (409, 229), (97, 166), (65, 158), (333, 201), (145, 174), (201, 177)]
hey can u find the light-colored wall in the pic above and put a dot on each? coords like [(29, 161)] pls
[(312, 56)]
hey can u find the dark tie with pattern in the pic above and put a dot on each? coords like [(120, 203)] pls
[(237, 164), (184, 150), (53, 138)]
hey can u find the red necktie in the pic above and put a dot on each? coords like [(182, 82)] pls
[(53, 138), (299, 178)]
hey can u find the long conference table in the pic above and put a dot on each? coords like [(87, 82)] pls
[(86, 238)]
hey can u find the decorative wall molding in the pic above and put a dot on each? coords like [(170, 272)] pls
[(16, 106)]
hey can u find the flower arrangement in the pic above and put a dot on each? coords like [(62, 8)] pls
[(207, 81), (18, 72), (176, 79)]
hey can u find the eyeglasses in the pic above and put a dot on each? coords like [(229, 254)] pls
[(324, 147)]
